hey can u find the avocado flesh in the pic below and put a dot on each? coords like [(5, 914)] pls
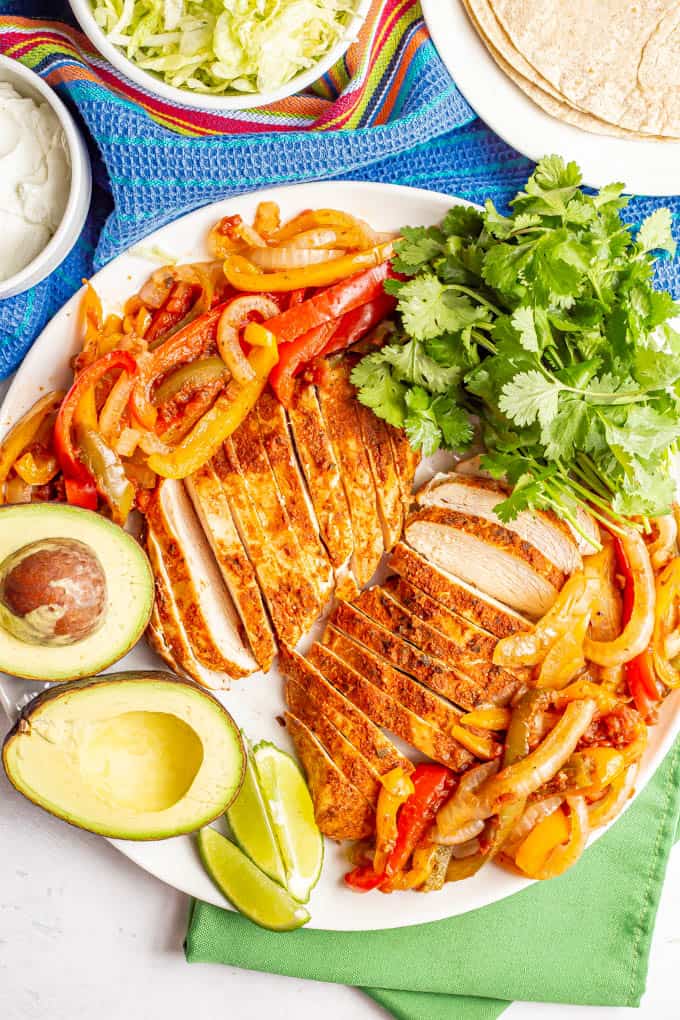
[(129, 755), (130, 592)]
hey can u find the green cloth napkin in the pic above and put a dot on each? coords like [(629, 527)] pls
[(583, 938)]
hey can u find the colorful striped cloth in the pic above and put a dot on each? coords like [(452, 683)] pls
[(387, 112)]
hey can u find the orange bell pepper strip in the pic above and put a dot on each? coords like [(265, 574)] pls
[(396, 789), (37, 468), (226, 414), (242, 275), (24, 432)]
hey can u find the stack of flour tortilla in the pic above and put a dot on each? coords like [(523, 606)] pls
[(607, 66)]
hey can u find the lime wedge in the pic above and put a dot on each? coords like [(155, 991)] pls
[(292, 814), (250, 823), (249, 889)]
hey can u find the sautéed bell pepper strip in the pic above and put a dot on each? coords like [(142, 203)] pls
[(226, 414), (357, 323), (24, 432), (396, 789), (295, 355), (113, 485), (178, 304), (185, 345), (639, 671), (242, 275), (81, 488), (431, 786), (330, 303)]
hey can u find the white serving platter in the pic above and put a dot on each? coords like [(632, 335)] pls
[(648, 168), (256, 702)]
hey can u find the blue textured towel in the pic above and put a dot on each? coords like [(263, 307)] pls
[(146, 175)]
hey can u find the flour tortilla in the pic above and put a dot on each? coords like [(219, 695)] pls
[(618, 60), (513, 64)]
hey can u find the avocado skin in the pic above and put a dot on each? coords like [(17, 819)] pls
[(126, 676), (88, 524)]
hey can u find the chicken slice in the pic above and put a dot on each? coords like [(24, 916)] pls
[(469, 654), (278, 586), (322, 474), (341, 812), (345, 755), (279, 449), (455, 595), (339, 407), (406, 460), (212, 508), (478, 496), (385, 478), (487, 555), (203, 602), (386, 711), (400, 686), (258, 479), (371, 743), (166, 633), (462, 632), (431, 671)]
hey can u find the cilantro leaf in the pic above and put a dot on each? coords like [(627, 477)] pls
[(655, 232), (378, 389), (530, 397)]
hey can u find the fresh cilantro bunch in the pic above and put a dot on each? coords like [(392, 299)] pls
[(544, 325)]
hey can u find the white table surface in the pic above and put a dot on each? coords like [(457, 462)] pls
[(85, 935)]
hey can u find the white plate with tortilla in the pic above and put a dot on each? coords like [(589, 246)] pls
[(256, 702), (647, 167)]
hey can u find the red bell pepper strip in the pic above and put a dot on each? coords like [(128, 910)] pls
[(81, 489), (177, 305), (639, 672), (185, 345), (432, 784), (296, 297), (329, 303), (354, 325), (294, 355)]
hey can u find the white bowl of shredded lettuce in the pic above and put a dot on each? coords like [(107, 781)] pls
[(222, 54)]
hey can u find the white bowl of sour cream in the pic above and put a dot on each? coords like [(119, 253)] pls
[(45, 179)]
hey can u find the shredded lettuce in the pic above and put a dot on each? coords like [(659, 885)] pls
[(219, 46)]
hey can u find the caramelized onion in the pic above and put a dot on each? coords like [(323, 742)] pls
[(603, 811), (289, 257), (234, 317), (663, 548)]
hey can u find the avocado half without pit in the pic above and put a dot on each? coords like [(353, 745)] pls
[(76, 592), (129, 755)]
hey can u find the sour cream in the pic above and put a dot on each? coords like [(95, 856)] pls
[(35, 177)]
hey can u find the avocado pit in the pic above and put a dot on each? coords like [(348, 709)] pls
[(52, 592)]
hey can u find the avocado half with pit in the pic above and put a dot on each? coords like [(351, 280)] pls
[(76, 591), (130, 755)]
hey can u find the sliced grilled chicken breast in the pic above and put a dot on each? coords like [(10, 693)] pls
[(456, 595), (431, 671), (278, 446), (478, 497), (462, 632), (212, 508), (386, 711), (203, 602), (345, 755), (413, 695), (406, 461), (487, 555), (469, 653), (167, 634), (586, 536), (388, 485), (378, 751), (322, 474), (339, 407), (279, 587), (341, 812), (282, 542)]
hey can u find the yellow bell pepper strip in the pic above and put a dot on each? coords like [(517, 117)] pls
[(112, 483), (604, 810), (24, 432), (487, 718), (599, 766), (81, 489), (37, 468), (425, 860), (479, 744), (605, 699), (667, 597), (396, 789), (554, 851), (226, 414), (312, 219), (242, 275)]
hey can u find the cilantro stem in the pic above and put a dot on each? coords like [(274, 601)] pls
[(476, 295)]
